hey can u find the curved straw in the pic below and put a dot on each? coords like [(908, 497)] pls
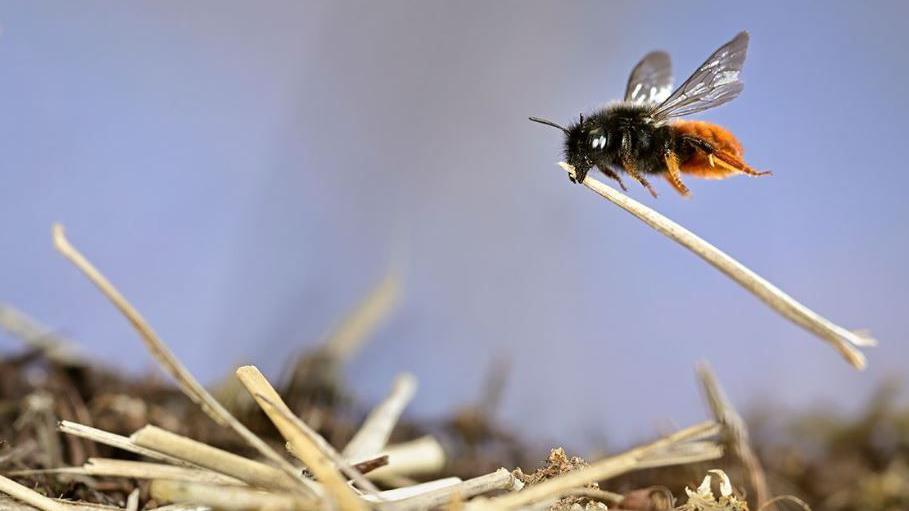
[(844, 341)]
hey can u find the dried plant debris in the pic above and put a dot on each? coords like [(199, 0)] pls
[(704, 499), (75, 435), (560, 463)]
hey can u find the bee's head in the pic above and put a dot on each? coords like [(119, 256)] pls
[(576, 147)]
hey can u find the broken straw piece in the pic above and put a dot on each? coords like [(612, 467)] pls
[(373, 435)]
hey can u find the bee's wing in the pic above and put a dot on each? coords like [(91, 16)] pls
[(714, 83), (651, 80)]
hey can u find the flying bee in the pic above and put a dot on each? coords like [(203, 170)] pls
[(643, 136)]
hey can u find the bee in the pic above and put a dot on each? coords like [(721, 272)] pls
[(642, 135)]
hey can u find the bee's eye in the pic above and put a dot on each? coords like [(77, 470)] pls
[(598, 142)]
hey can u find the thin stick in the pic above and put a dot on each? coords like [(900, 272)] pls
[(421, 456), (501, 479), (30, 497), (373, 435), (349, 335), (255, 382), (212, 458), (56, 348), (701, 451), (144, 470), (844, 341), (226, 497), (736, 431), (132, 502), (407, 492), (601, 470), (315, 458), (188, 383), (120, 442)]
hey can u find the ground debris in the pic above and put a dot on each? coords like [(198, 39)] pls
[(559, 463)]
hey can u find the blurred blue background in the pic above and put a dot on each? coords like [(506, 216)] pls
[(246, 171)]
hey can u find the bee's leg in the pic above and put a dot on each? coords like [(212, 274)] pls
[(612, 175), (723, 159), (673, 174), (633, 172)]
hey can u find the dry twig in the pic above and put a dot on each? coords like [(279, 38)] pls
[(356, 327), (56, 348), (227, 497), (421, 456), (845, 341), (188, 383), (309, 451), (132, 502), (113, 440), (30, 497), (501, 479), (373, 435), (144, 470), (736, 432), (218, 460)]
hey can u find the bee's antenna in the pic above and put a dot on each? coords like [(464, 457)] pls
[(548, 123)]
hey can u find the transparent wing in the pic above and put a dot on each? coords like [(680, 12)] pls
[(651, 80), (714, 83)]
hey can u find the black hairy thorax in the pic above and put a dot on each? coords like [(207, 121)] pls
[(618, 136)]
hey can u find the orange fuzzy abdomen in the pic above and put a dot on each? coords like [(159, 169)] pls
[(719, 137)]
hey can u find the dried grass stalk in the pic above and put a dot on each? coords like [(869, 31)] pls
[(846, 342), (56, 348), (373, 435), (31, 497), (247, 470), (501, 479), (132, 502), (346, 339), (228, 497), (187, 382), (407, 492), (418, 457), (120, 442), (308, 451), (144, 470), (736, 432)]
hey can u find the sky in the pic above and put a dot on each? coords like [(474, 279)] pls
[(245, 172)]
